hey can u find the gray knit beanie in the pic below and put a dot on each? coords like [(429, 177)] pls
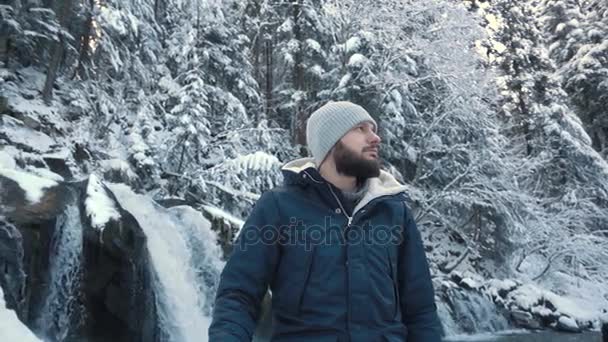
[(328, 124)]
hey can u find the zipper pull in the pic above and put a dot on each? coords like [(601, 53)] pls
[(350, 220)]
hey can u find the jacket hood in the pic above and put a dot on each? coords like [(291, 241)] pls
[(383, 185)]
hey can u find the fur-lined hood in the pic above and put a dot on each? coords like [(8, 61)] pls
[(383, 185)]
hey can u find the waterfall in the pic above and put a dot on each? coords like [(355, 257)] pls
[(473, 312), (449, 325), (63, 311), (186, 261)]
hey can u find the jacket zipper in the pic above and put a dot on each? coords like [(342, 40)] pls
[(350, 220)]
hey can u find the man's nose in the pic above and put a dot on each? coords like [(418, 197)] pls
[(374, 139)]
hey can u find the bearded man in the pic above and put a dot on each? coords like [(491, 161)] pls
[(336, 244)]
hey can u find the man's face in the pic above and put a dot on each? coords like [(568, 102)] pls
[(356, 154)]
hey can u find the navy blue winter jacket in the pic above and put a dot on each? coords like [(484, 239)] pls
[(334, 276)]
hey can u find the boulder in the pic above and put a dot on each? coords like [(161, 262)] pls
[(567, 324), (12, 279), (525, 320)]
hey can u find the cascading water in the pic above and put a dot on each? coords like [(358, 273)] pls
[(473, 312), (186, 261), (449, 325), (205, 252), (63, 311)]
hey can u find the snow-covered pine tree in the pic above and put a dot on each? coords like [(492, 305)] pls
[(585, 75), (290, 41), (561, 25), (421, 78), (552, 148)]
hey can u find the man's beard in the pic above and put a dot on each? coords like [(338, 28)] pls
[(350, 164)]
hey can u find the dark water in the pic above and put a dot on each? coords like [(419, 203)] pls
[(527, 336)]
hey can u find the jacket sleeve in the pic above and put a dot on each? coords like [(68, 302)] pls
[(247, 274), (419, 312)]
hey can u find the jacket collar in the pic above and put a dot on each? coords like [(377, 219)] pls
[(383, 185)]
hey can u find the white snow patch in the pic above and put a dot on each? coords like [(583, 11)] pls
[(588, 62), (529, 296), (11, 328), (99, 207), (120, 166), (495, 286), (367, 35), (568, 322), (286, 26), (352, 44), (34, 107), (169, 85), (357, 60), (396, 95), (317, 70), (7, 161), (112, 18), (33, 186), (224, 215), (45, 173), (344, 81), (62, 153), (18, 133), (258, 161), (313, 45), (236, 193), (471, 283), (134, 21), (570, 308), (541, 311), (526, 296), (288, 58)]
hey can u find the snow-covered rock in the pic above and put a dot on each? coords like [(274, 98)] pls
[(526, 305), (525, 319), (6, 160), (119, 171), (33, 186), (16, 132), (11, 328), (566, 323), (100, 208)]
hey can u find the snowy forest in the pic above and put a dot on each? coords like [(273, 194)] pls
[(136, 135)]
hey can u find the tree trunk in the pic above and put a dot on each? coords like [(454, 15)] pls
[(269, 75), (156, 9), (57, 53), (85, 41), (51, 74), (299, 126), (255, 58), (5, 45)]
